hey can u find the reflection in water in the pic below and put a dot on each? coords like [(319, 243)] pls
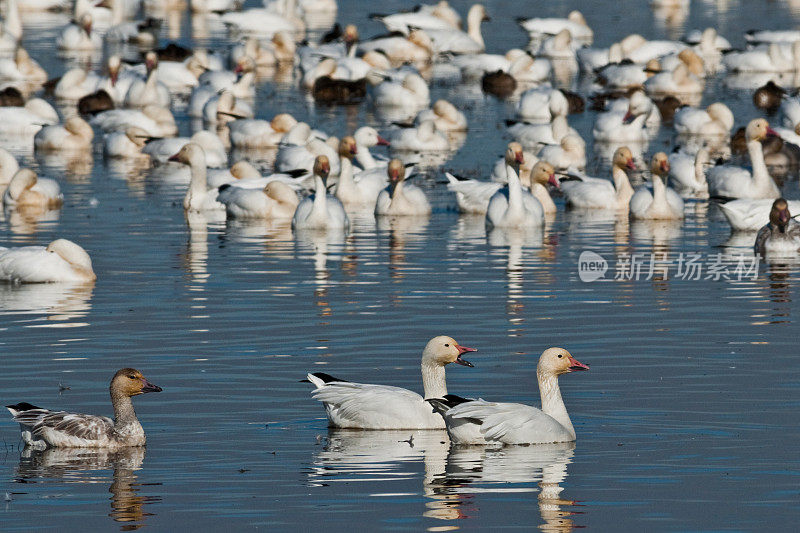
[(60, 301), (403, 230), (80, 465), (454, 478), (323, 243), (27, 220)]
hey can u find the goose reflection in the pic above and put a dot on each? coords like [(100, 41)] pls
[(195, 260), (323, 243), (81, 465), (403, 231), (60, 301), (27, 220)]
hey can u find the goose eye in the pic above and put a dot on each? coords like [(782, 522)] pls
[(134, 377), (446, 345), (559, 356)]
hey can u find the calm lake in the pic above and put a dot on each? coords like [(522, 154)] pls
[(687, 421)]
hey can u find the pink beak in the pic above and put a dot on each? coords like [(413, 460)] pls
[(554, 182), (772, 132), (630, 164), (574, 365), (461, 351), (383, 142), (519, 157), (173, 157)]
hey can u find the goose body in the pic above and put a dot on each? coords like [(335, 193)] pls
[(482, 422), (569, 153), (451, 40), (43, 428), (156, 121), (258, 133), (662, 203), (751, 215), (542, 104), (714, 121), (79, 37), (574, 23), (781, 235), (423, 138), (75, 134), (772, 58), (357, 191), (411, 92), (160, 150), (531, 136), (27, 190), (60, 261), (628, 126), (401, 198), (383, 407), (320, 211), (276, 200), (597, 193), (688, 171), (26, 121), (128, 143), (510, 208)]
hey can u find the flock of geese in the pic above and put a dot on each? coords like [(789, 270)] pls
[(319, 181)]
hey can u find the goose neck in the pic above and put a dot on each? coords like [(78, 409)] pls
[(552, 403), (364, 158), (124, 413), (320, 194), (346, 182), (760, 172), (474, 30), (514, 191), (621, 182), (198, 186), (541, 193), (659, 192), (699, 170), (433, 380)]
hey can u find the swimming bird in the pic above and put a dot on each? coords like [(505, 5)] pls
[(26, 190), (482, 422), (662, 203), (781, 234), (43, 428), (510, 208), (367, 406), (400, 198), (595, 193), (60, 261), (320, 210)]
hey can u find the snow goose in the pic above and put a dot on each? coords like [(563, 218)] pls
[(78, 37), (679, 82), (320, 211), (22, 68), (482, 422), (542, 104), (662, 203), (367, 406), (560, 47), (772, 58), (10, 28), (266, 22), (597, 193), (472, 196), (404, 22), (736, 182), (688, 171), (148, 91), (143, 33), (781, 235), (510, 208), (451, 40), (155, 120), (225, 107), (412, 92), (125, 144), (60, 261), (360, 192), (417, 47), (445, 116), (198, 197), (570, 152), (276, 200), (365, 138), (75, 134), (27, 120), (300, 147), (26, 189), (160, 150), (400, 198), (423, 138), (43, 428), (257, 133), (239, 80), (76, 83), (575, 23), (628, 126), (532, 136), (716, 120), (749, 215)]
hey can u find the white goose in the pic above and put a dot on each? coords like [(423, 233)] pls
[(473, 196), (451, 40), (28, 120), (10, 28), (160, 150), (662, 203), (75, 134), (148, 91), (60, 261), (78, 37), (412, 92), (542, 104), (404, 22), (320, 211), (627, 127), (225, 107), (300, 147), (198, 197), (400, 198), (597, 193), (258, 133), (423, 138), (569, 153), (417, 47), (575, 23), (367, 137), (357, 192), (532, 136), (276, 200), (121, 144), (716, 120), (26, 189), (367, 406), (482, 422), (772, 58), (156, 121), (510, 208), (444, 115), (750, 215), (43, 428), (736, 182), (689, 171), (679, 82)]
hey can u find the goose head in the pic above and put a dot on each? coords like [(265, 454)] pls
[(558, 361), (130, 382), (639, 105), (758, 130), (631, 43), (514, 154), (544, 173), (443, 350), (623, 158), (137, 136), (443, 11), (281, 193), (285, 46), (779, 215), (347, 147), (562, 40), (350, 35), (113, 65), (659, 165), (576, 17), (369, 137), (396, 171), (721, 113), (23, 180), (692, 61), (191, 154), (81, 128), (74, 255), (243, 170), (652, 67), (85, 22), (150, 61), (322, 167), (282, 122), (244, 65)]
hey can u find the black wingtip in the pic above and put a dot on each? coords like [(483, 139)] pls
[(327, 378), (224, 186), (297, 172), (23, 406)]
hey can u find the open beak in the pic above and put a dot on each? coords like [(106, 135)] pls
[(354, 150), (461, 351), (771, 132), (630, 164), (383, 142), (149, 387), (174, 157), (664, 166), (554, 181), (574, 365), (519, 157)]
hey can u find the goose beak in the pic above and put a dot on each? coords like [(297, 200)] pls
[(771, 132), (630, 164), (554, 181), (383, 142), (574, 365), (664, 166), (461, 351), (174, 157), (149, 387), (519, 157), (628, 118)]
